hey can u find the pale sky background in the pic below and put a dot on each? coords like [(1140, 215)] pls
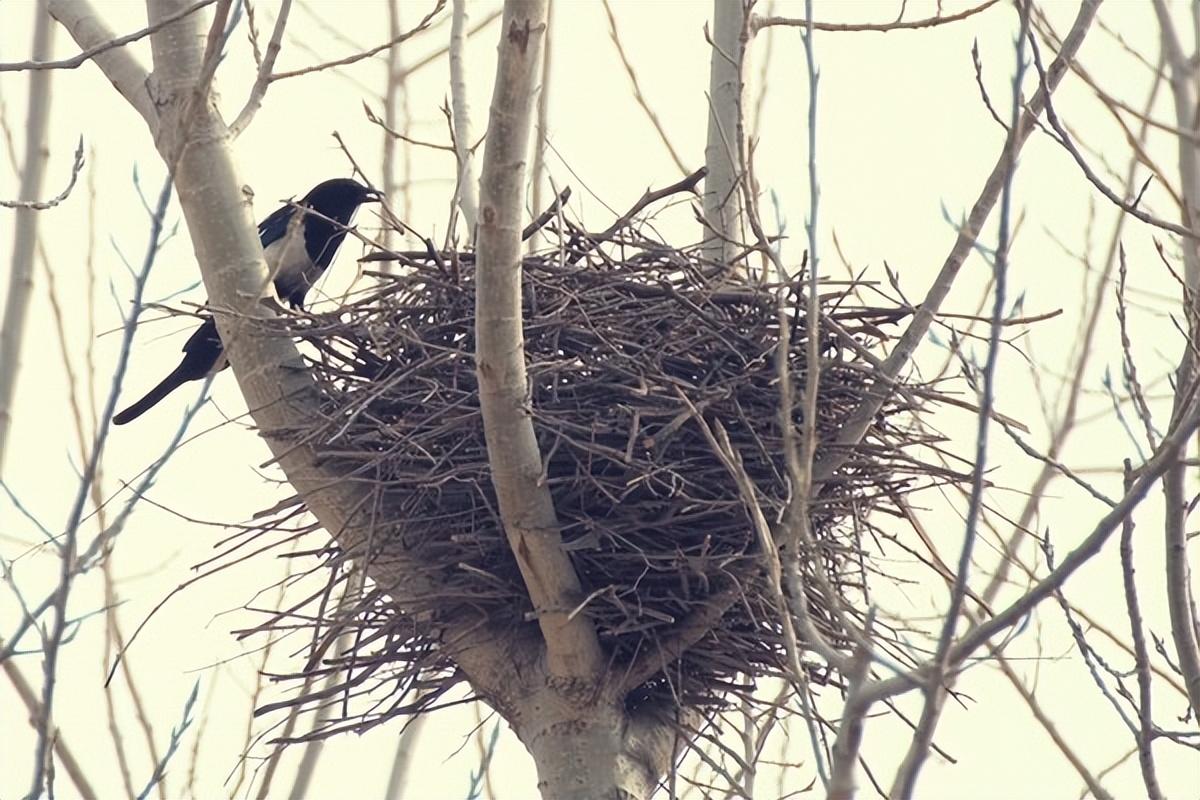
[(903, 141)]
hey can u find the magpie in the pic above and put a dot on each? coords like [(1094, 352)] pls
[(295, 267)]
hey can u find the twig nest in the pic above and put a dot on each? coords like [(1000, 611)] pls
[(617, 349)]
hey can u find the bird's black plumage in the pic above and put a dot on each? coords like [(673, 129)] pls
[(296, 262)]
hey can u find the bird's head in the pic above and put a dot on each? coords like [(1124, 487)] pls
[(340, 198)]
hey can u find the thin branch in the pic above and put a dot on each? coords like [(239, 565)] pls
[(64, 753), (25, 234), (353, 59), (465, 188), (1091, 544), (906, 777), (637, 89), (42, 205), (1145, 735), (857, 423), (259, 90), (110, 43), (757, 23), (406, 71), (1035, 708), (1073, 392), (1064, 139), (1178, 578), (124, 71)]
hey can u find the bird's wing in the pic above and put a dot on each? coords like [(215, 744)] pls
[(275, 226), (204, 338)]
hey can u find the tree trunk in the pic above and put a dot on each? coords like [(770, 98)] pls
[(722, 200), (559, 700), (33, 170), (594, 750)]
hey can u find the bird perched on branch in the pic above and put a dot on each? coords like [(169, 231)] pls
[(297, 251)]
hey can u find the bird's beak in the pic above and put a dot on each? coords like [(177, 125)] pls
[(373, 196)]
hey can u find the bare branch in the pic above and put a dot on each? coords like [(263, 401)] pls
[(1178, 577), (722, 200), (465, 189), (99, 49), (1035, 708), (129, 77), (64, 753), (20, 281), (757, 22), (259, 90), (42, 205), (857, 424), (526, 507), (637, 90), (404, 72), (353, 59), (1145, 734)]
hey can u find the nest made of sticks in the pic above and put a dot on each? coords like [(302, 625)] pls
[(628, 341)]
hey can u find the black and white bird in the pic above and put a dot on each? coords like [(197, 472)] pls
[(296, 265)]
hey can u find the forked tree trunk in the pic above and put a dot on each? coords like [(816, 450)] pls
[(552, 685)]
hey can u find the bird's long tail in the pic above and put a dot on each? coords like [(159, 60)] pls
[(168, 384)]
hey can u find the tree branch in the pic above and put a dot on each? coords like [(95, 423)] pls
[(25, 234), (88, 30), (757, 22), (857, 423), (722, 201), (526, 507), (103, 47), (465, 188), (263, 80)]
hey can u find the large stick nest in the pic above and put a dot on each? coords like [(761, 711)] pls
[(624, 337)]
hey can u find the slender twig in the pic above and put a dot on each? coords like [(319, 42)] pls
[(918, 751), (29, 697), (42, 205), (1145, 736), (1069, 398), (259, 90), (1064, 138), (1090, 544), (758, 23), (110, 43), (1178, 577), (636, 85), (1039, 713), (364, 54), (857, 424), (160, 767), (68, 547), (402, 73)]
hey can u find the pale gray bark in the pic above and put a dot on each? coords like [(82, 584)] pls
[(1180, 603), (526, 507), (550, 687), (25, 224), (466, 191), (722, 200)]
